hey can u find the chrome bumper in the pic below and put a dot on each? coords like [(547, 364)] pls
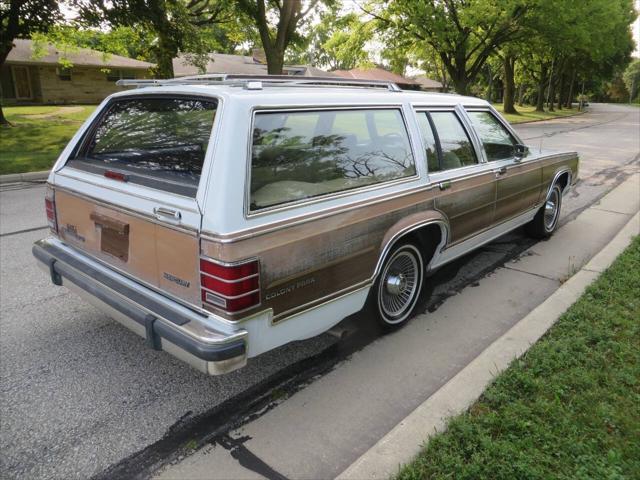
[(209, 344)]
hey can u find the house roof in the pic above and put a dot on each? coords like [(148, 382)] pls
[(22, 52), (375, 73), (238, 64), (428, 83)]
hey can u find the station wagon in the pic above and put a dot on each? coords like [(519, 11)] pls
[(220, 218)]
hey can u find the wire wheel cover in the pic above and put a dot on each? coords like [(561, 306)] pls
[(399, 286), (551, 209)]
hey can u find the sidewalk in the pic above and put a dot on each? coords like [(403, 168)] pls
[(335, 425)]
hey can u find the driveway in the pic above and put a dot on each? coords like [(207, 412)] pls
[(80, 395)]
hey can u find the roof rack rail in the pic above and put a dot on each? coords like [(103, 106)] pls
[(258, 82)]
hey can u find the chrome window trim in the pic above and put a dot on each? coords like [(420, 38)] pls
[(496, 114), (453, 173), (332, 195)]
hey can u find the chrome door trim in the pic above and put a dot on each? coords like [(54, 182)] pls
[(480, 239)]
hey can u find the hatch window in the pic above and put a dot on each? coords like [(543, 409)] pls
[(158, 142)]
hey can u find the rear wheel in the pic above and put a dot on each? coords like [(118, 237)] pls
[(546, 220), (398, 287)]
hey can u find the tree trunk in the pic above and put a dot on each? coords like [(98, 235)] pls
[(166, 51), (509, 85), (3, 120), (275, 61), (521, 95), (560, 91), (569, 102), (489, 96), (551, 95), (541, 85)]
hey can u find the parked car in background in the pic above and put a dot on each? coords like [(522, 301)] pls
[(220, 219)]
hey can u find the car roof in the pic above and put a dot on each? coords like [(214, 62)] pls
[(282, 95)]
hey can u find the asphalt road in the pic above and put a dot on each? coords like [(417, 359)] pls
[(79, 393)]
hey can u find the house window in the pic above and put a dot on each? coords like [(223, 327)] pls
[(64, 73), (113, 75)]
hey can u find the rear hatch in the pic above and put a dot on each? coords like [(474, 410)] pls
[(128, 193)]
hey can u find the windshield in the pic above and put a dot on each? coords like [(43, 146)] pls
[(159, 142)]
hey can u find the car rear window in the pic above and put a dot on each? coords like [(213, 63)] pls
[(299, 155), (159, 142)]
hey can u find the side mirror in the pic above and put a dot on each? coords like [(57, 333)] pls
[(520, 151)]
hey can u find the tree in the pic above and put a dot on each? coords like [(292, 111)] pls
[(275, 39), (19, 19), (631, 77), (464, 34), (176, 24)]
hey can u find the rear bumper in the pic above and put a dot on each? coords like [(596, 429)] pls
[(205, 342)]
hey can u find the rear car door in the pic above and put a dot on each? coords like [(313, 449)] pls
[(519, 180), (467, 187), (127, 194)]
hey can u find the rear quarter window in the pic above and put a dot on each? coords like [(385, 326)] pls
[(301, 155), (159, 142)]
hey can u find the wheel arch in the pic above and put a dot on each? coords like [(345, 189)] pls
[(429, 229), (563, 178)]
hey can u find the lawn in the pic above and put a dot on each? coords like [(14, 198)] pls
[(528, 113), (38, 135), (569, 408)]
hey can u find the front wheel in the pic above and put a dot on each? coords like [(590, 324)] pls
[(546, 220), (398, 287)]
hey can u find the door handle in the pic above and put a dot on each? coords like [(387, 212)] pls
[(500, 171), (163, 213), (444, 185)]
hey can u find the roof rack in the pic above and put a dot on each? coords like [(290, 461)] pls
[(258, 82)]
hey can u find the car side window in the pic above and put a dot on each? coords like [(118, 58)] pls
[(498, 143), (429, 140), (297, 155), (456, 149)]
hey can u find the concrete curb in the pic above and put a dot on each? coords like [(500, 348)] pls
[(24, 177), (406, 439)]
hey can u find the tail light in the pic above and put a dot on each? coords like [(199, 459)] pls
[(50, 207), (230, 287)]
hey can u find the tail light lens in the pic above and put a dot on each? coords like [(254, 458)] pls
[(50, 208), (230, 287)]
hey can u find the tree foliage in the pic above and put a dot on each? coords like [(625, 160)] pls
[(177, 25)]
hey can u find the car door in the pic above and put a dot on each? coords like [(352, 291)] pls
[(467, 188), (519, 179)]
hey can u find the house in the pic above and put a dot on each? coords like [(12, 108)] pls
[(25, 79), (429, 85), (380, 74), (240, 65)]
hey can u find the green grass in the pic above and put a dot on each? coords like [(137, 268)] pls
[(569, 408), (528, 114), (34, 143)]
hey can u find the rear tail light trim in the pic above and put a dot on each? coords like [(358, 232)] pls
[(238, 284), (50, 209)]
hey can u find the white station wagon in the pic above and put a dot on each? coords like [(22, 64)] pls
[(220, 218)]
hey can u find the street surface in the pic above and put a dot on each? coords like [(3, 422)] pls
[(80, 395)]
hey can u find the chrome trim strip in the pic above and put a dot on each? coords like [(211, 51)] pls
[(287, 315), (230, 264), (482, 238), (444, 234), (329, 196), (227, 297), (229, 281)]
